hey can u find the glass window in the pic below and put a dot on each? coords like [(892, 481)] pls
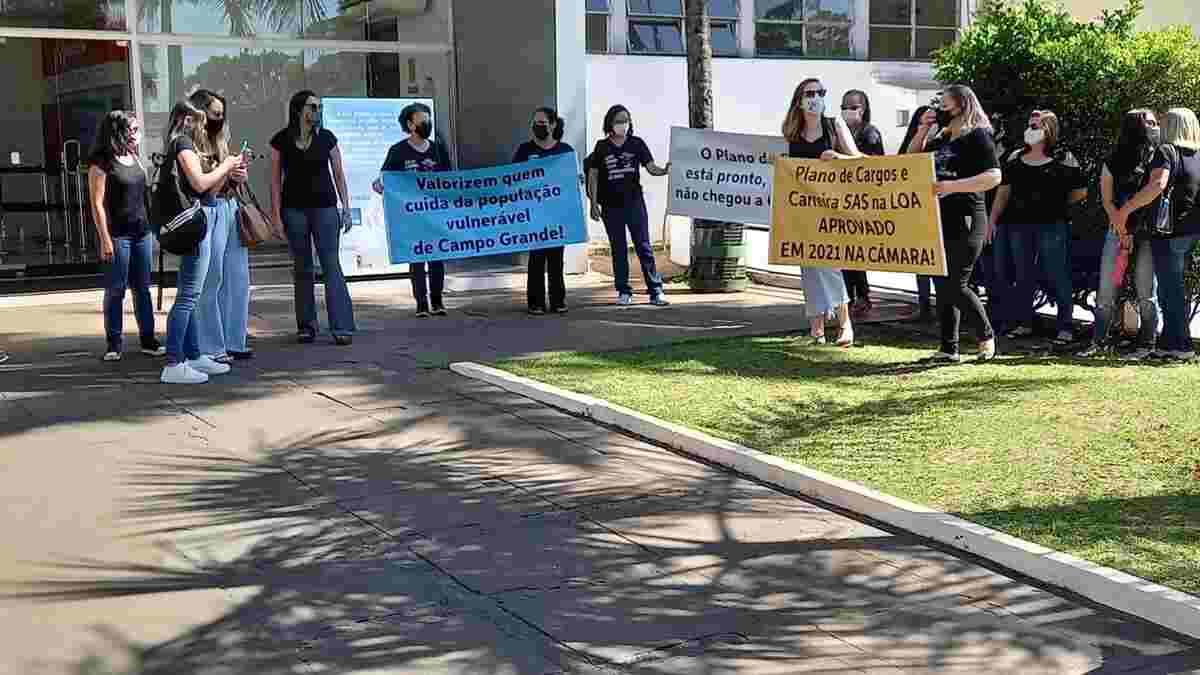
[(597, 33), (829, 10), (76, 14), (890, 44), (937, 13), (655, 37), (893, 12), (317, 19), (597, 6), (656, 7), (779, 10), (930, 40), (723, 9), (831, 42), (779, 39), (724, 38)]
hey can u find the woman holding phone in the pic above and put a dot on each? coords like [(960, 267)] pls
[(307, 181), (224, 308)]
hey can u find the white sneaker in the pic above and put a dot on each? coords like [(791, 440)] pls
[(943, 357), (182, 373), (112, 356), (206, 365), (659, 300), (624, 299)]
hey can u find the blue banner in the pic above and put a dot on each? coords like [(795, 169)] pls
[(502, 209)]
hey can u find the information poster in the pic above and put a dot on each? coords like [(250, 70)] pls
[(365, 129), (874, 213), (722, 176), (478, 212)]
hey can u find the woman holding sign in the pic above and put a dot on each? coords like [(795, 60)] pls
[(812, 135), (307, 179), (966, 166), (615, 185), (547, 131)]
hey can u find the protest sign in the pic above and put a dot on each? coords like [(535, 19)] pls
[(872, 213), (503, 209), (722, 176)]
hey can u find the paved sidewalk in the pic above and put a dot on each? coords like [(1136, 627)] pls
[(363, 510)]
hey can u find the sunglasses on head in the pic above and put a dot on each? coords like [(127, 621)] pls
[(815, 93)]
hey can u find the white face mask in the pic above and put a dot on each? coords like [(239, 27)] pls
[(621, 129), (814, 105), (1034, 136)]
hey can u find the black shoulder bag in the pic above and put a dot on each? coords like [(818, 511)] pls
[(180, 221), (1161, 222)]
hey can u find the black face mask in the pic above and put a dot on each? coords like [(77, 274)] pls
[(215, 126), (541, 132), (424, 130), (316, 119)]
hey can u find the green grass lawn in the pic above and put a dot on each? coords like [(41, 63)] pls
[(1095, 458)]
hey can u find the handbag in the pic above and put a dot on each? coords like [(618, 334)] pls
[(1162, 219), (253, 226), (182, 222)]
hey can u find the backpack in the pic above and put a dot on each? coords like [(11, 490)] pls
[(180, 222)]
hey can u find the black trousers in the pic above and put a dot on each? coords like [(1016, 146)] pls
[(857, 287), (425, 292), (543, 263), (954, 295)]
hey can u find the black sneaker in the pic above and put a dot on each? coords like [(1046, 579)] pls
[(561, 309), (343, 340), (422, 313), (3, 356), (241, 356), (536, 311), (306, 336), (153, 348), (438, 310)]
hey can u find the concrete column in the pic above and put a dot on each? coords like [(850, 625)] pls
[(745, 29), (860, 30), (572, 98), (618, 27)]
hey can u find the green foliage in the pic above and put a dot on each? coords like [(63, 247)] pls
[(1022, 55)]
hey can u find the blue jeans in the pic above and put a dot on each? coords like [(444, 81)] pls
[(1146, 288), (1054, 258), (129, 269), (224, 307), (1014, 275), (632, 216), (183, 342), (1171, 259), (322, 227)]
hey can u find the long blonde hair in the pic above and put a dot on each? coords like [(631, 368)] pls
[(973, 116), (793, 124), (187, 120), (1182, 129), (217, 147)]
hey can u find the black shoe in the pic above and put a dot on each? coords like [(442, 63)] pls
[(241, 356), (536, 311), (438, 310), (343, 340), (561, 309), (153, 347), (3, 357), (422, 313), (306, 336)]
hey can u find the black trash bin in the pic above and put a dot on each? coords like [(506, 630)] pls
[(718, 257)]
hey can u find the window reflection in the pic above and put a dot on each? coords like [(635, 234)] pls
[(77, 14), (373, 20)]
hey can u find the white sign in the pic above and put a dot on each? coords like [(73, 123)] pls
[(722, 176), (366, 128)]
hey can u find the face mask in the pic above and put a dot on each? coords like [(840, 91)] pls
[(621, 129), (315, 118), (1034, 136), (215, 126), (945, 117), (541, 132), (424, 130), (815, 105), (852, 116), (1154, 135)]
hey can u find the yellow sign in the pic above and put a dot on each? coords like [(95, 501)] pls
[(874, 213)]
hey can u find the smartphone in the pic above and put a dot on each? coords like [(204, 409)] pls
[(245, 147)]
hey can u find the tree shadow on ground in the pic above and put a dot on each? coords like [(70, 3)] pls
[(383, 550)]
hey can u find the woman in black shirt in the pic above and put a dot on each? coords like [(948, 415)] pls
[(1030, 227), (307, 181), (117, 185), (419, 153), (615, 187), (966, 167), (546, 262), (924, 281), (856, 111)]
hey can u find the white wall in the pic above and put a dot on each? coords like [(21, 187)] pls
[(750, 96)]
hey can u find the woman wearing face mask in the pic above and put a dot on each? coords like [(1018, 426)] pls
[(546, 262), (1030, 227), (224, 308), (615, 186), (307, 180), (419, 153), (812, 135), (1176, 163), (924, 281), (188, 151), (856, 112), (966, 166), (117, 185), (1125, 172)]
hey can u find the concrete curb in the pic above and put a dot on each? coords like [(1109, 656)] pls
[(1171, 609)]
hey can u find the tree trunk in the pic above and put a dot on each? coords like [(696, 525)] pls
[(699, 65)]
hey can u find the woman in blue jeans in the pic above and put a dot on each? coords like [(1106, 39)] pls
[(117, 186), (1031, 229), (187, 153), (1172, 251), (615, 188), (1125, 173), (305, 162), (225, 299)]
